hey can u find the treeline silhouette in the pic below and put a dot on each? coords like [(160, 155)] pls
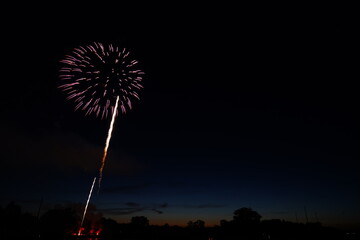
[(62, 222)]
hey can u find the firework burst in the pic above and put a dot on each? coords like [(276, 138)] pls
[(94, 76)]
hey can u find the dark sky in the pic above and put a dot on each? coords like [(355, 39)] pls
[(256, 110)]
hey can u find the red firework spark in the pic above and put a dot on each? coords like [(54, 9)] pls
[(94, 75)]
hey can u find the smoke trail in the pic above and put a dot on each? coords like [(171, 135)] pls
[(107, 142), (87, 203)]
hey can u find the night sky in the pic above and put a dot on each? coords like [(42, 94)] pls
[(257, 111)]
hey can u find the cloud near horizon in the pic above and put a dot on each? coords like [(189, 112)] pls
[(123, 189), (132, 207)]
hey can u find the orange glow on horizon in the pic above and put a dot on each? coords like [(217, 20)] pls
[(174, 222)]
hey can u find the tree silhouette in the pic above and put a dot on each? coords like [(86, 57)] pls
[(111, 229), (140, 221), (196, 224), (246, 216), (16, 225), (224, 223), (245, 224), (57, 223)]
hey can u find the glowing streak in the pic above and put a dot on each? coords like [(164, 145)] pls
[(108, 141), (87, 203)]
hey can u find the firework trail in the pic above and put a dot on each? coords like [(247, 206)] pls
[(107, 143), (87, 203)]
